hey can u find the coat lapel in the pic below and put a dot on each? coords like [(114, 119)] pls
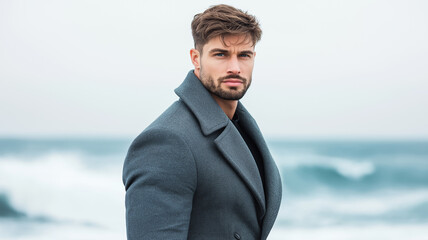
[(236, 152), (273, 186)]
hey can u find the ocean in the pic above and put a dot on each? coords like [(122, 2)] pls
[(332, 189)]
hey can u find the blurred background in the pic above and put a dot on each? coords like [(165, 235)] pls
[(340, 91)]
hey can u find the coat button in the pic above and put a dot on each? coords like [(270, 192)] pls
[(237, 236)]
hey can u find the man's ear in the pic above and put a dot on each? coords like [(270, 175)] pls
[(195, 57)]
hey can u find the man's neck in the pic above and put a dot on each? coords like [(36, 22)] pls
[(228, 106)]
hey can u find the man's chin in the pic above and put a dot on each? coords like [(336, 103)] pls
[(230, 95)]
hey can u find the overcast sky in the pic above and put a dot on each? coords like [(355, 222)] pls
[(324, 68)]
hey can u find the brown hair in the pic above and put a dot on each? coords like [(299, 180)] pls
[(222, 20)]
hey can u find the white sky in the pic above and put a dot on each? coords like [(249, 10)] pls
[(324, 68)]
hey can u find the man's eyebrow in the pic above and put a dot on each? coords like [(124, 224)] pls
[(247, 52), (218, 50), (226, 51)]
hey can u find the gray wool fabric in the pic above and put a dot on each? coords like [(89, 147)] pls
[(190, 175)]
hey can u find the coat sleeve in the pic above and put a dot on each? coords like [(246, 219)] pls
[(159, 175)]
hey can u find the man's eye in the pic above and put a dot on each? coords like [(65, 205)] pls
[(219, 54), (244, 55)]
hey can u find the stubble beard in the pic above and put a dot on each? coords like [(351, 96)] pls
[(232, 93)]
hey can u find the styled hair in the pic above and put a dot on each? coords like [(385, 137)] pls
[(222, 20)]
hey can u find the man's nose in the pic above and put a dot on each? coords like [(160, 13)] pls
[(233, 66)]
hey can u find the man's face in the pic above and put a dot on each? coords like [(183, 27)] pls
[(225, 68)]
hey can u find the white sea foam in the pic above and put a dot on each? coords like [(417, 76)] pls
[(19, 230), (371, 232), (326, 209), (60, 187)]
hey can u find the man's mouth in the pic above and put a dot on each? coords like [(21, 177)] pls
[(233, 81)]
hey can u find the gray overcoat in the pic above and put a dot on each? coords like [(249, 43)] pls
[(190, 175)]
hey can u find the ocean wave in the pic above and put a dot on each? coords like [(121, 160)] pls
[(306, 172), (60, 186), (7, 210), (345, 167)]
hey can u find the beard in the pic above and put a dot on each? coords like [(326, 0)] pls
[(230, 93)]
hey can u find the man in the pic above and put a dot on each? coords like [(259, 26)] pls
[(202, 170)]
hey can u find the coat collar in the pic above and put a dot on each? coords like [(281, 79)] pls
[(230, 143), (209, 114), (212, 118)]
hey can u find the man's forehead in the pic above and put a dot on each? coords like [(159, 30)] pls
[(231, 42)]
